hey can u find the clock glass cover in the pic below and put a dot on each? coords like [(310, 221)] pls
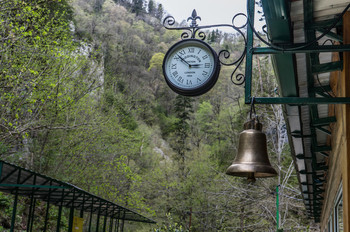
[(191, 67)]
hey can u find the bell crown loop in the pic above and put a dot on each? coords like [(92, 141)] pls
[(253, 124)]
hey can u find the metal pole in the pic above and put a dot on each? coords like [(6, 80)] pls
[(92, 207), (14, 209), (32, 221), (249, 57), (98, 217), (1, 163), (277, 209), (60, 213), (123, 220), (31, 211), (105, 223), (111, 221), (111, 224), (117, 224), (71, 217), (82, 209), (71, 214), (47, 208)]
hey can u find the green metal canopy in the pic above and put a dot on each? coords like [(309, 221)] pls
[(304, 77), (23, 182)]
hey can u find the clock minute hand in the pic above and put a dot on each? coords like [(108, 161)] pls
[(183, 60)]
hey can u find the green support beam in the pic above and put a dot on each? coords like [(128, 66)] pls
[(323, 121), (328, 132), (34, 186), (322, 148), (325, 24), (331, 35), (292, 49), (301, 101), (327, 67)]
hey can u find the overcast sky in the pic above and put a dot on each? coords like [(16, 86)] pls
[(211, 11)]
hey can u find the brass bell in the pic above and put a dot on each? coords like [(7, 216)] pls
[(252, 159)]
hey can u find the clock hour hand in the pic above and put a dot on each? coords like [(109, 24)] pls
[(183, 60), (196, 65)]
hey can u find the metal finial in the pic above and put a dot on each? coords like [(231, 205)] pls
[(194, 18)]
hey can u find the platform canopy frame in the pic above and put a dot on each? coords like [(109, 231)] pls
[(19, 181)]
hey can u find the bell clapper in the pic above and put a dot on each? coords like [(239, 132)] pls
[(251, 177)]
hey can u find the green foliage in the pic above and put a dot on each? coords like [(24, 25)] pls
[(98, 114), (5, 211), (171, 226), (156, 61)]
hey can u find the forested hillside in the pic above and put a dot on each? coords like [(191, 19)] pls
[(83, 100)]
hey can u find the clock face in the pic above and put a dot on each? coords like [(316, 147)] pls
[(191, 67)]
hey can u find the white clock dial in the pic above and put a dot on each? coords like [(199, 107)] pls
[(191, 67)]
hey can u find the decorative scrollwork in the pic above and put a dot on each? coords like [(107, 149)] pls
[(186, 35), (202, 35), (239, 79), (244, 24), (168, 22), (196, 31)]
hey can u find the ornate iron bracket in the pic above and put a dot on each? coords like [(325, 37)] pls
[(196, 31)]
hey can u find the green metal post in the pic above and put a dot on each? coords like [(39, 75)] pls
[(82, 209), (277, 208), (47, 208), (60, 213), (59, 218), (32, 221), (92, 207), (117, 224), (30, 212), (71, 214), (111, 221), (105, 223), (98, 217), (31, 208), (123, 221), (71, 218), (249, 56), (14, 209), (1, 163)]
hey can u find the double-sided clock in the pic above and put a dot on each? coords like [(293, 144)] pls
[(191, 67)]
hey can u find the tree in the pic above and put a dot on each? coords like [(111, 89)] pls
[(41, 66), (160, 12), (137, 7), (151, 7)]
